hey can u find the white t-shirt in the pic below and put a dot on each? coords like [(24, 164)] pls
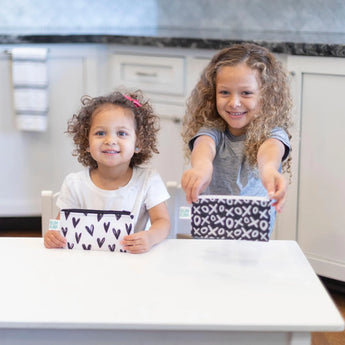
[(145, 190)]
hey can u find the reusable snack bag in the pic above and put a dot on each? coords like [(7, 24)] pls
[(231, 217), (95, 229)]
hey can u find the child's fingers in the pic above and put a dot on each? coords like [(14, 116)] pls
[(279, 204), (194, 183), (192, 192), (197, 186), (53, 239), (135, 243), (185, 180), (136, 249), (189, 194), (276, 186), (186, 184), (130, 239), (195, 191), (281, 189), (280, 198), (58, 242), (270, 186)]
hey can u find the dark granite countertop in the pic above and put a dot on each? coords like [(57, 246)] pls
[(309, 44)]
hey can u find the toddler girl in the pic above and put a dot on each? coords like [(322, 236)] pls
[(113, 135), (236, 127)]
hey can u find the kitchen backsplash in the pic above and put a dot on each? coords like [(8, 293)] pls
[(102, 16)]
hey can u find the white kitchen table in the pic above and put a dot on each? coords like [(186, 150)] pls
[(181, 292)]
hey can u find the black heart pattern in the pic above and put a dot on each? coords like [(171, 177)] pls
[(77, 237), (75, 221), (112, 247), (64, 231), (67, 213), (128, 228), (100, 242), (116, 233), (106, 226), (90, 229)]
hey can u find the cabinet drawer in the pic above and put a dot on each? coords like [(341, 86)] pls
[(157, 74)]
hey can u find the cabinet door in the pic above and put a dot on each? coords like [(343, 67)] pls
[(170, 161), (195, 66), (321, 181)]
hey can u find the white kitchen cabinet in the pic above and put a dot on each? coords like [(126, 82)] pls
[(33, 161), (161, 77), (154, 74), (315, 211)]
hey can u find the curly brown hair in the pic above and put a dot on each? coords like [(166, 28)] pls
[(147, 125), (275, 99)]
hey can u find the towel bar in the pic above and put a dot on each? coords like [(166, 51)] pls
[(8, 52)]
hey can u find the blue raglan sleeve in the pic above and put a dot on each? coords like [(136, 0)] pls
[(213, 133), (281, 135)]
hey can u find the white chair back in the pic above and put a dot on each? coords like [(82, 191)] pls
[(49, 210), (180, 228)]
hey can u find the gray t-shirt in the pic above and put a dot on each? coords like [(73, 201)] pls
[(232, 174)]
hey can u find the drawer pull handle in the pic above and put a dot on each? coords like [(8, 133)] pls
[(144, 74), (174, 119)]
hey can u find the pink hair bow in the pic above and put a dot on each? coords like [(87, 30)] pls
[(134, 101)]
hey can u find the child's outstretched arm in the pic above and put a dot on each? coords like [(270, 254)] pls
[(195, 180), (269, 157), (143, 241)]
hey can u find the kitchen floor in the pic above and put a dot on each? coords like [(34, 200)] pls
[(335, 289), (332, 338)]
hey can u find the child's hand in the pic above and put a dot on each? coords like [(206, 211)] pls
[(270, 155), (137, 243), (194, 182), (53, 239), (276, 186)]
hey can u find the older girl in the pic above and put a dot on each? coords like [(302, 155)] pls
[(237, 126)]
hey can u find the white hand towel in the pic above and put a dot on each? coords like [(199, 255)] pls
[(29, 73), (30, 88), (30, 100)]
